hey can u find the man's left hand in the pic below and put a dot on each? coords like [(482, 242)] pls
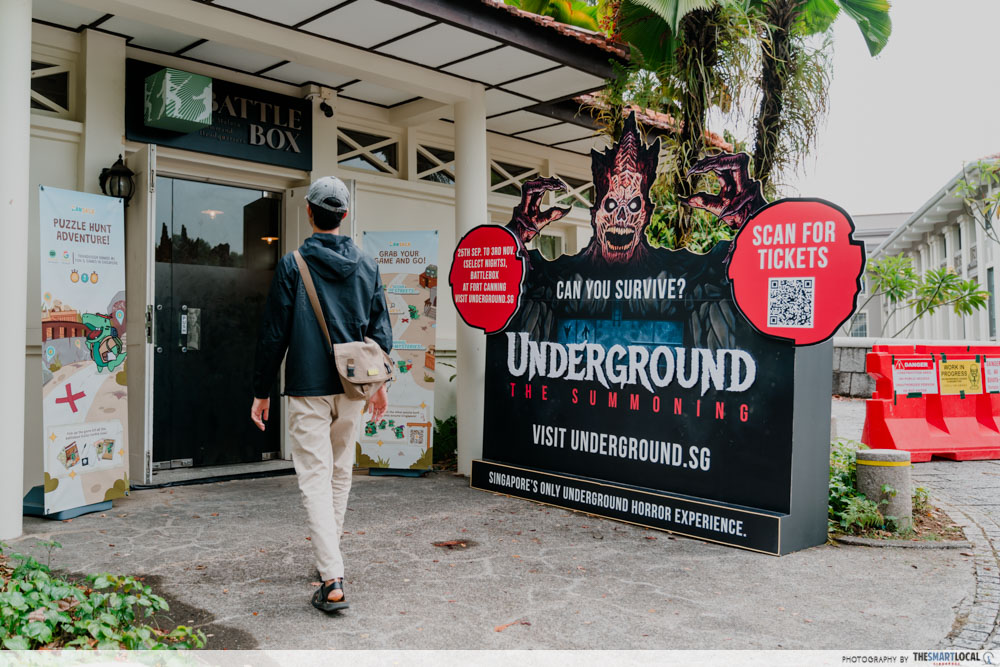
[(379, 402)]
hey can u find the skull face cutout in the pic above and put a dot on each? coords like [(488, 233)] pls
[(621, 217), (622, 209)]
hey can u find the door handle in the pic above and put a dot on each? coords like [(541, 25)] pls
[(190, 329)]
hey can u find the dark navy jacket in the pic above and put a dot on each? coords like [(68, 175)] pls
[(350, 292)]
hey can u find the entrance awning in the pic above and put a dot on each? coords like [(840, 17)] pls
[(402, 55)]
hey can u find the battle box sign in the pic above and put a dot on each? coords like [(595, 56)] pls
[(641, 384)]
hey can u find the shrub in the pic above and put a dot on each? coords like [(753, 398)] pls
[(849, 510), (445, 441), (40, 610)]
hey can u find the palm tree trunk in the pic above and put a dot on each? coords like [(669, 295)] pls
[(777, 62), (696, 61)]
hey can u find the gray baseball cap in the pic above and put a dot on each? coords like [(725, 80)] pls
[(329, 193)]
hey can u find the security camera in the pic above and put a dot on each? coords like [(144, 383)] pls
[(326, 109)]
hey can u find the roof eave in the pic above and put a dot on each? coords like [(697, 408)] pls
[(496, 23)]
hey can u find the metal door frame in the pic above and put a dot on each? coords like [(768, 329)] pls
[(151, 300)]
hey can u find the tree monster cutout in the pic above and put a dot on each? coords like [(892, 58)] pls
[(739, 194), (622, 176), (618, 249), (106, 347), (622, 208)]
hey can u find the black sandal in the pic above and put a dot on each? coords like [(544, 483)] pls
[(321, 598)]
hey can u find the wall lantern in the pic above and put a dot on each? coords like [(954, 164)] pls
[(117, 181)]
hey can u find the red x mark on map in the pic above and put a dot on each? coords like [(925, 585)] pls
[(70, 397)]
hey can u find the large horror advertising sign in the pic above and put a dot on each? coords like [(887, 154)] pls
[(671, 389)]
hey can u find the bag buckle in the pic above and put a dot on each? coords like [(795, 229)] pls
[(350, 368)]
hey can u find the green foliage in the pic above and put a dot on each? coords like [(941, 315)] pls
[(570, 12), (860, 514), (979, 189), (704, 229), (895, 279), (446, 441), (921, 501), (40, 610), (939, 288), (849, 510)]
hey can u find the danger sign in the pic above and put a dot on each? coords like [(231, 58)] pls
[(914, 376), (991, 369)]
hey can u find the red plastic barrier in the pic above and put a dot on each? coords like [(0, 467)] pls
[(961, 426)]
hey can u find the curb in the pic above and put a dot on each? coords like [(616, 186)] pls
[(901, 544)]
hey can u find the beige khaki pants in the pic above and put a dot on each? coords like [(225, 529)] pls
[(323, 431)]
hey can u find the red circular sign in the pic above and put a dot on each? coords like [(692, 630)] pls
[(487, 271), (796, 270)]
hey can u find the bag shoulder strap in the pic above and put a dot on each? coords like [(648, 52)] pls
[(313, 297)]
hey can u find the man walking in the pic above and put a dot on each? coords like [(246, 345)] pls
[(322, 421)]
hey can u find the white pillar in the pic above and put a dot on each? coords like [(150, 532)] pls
[(103, 102), (15, 132), (471, 194)]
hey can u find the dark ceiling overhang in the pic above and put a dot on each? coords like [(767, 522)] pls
[(502, 25)]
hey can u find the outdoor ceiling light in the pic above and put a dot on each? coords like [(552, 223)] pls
[(273, 232), (211, 212), (117, 181)]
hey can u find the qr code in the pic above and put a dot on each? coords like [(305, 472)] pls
[(416, 437), (791, 302)]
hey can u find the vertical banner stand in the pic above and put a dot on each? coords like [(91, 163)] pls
[(84, 387), (400, 443)]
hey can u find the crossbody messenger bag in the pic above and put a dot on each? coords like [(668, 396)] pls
[(363, 367)]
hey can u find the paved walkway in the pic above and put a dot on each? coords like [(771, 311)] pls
[(234, 559), (970, 492)]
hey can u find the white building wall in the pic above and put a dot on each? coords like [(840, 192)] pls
[(956, 241), (69, 148)]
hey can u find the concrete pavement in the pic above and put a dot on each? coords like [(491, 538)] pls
[(235, 559)]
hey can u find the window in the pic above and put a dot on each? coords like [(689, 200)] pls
[(436, 165), (958, 236), (508, 178), (371, 152), (943, 247), (859, 326), (50, 86), (992, 303), (580, 193)]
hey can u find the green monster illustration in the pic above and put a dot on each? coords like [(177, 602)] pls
[(414, 313), (370, 428), (106, 347), (398, 432)]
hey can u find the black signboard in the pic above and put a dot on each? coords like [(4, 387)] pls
[(629, 385), (247, 123)]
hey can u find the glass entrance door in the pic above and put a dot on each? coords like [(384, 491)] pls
[(216, 253)]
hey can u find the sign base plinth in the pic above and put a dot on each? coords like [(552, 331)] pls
[(34, 505), (397, 472), (712, 521)]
